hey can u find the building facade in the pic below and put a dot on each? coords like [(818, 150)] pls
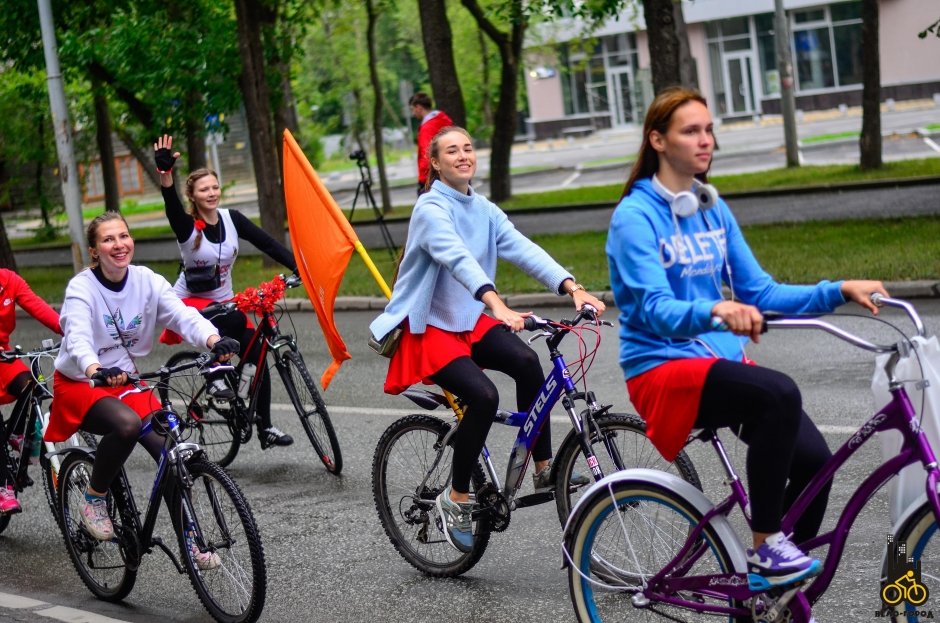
[(577, 83)]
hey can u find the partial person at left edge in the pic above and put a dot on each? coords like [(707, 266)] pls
[(14, 375)]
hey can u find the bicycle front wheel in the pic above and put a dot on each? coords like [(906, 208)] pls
[(309, 405), (227, 569), (619, 442), (102, 565), (923, 544), (627, 533), (213, 424), (405, 456)]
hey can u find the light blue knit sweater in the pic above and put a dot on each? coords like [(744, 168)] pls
[(464, 235)]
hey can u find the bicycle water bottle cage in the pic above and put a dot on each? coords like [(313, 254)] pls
[(425, 399)]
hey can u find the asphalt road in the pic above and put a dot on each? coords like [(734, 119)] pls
[(328, 558)]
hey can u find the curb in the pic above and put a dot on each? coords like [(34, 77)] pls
[(923, 289)]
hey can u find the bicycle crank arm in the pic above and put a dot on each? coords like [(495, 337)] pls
[(533, 499)]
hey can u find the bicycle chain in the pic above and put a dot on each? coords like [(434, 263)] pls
[(494, 504)]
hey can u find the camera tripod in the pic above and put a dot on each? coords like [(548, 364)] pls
[(365, 188)]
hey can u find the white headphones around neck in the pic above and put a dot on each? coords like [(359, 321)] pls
[(686, 203)]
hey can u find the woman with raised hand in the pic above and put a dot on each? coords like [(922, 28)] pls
[(672, 248), (445, 281), (109, 319), (208, 238)]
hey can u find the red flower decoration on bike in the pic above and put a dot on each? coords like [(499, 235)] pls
[(262, 299)]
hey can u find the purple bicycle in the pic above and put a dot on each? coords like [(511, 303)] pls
[(643, 543)]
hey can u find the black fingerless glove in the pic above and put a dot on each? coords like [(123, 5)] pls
[(164, 160), (103, 374), (225, 346)]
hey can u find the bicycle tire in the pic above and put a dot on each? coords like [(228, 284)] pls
[(100, 564), (52, 469), (403, 456), (311, 409), (235, 591), (920, 534), (602, 572), (214, 429), (627, 432)]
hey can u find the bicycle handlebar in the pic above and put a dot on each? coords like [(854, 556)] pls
[(587, 312), (202, 362), (225, 307), (47, 348)]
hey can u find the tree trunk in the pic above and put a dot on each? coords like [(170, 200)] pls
[(7, 259), (377, 107), (663, 43), (285, 111), (504, 121), (869, 142), (250, 15), (112, 194), (486, 105), (439, 51), (688, 73), (195, 127)]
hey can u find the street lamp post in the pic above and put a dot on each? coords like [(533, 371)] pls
[(785, 68)]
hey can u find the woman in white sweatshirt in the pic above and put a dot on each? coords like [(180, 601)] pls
[(110, 315)]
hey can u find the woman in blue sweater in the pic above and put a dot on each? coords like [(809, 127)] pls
[(444, 283), (672, 245)]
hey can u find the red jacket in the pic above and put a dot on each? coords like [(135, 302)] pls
[(15, 291), (432, 123)]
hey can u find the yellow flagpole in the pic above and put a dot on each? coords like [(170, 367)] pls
[(361, 250)]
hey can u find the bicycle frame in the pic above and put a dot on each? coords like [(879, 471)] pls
[(898, 414), (268, 334), (530, 423)]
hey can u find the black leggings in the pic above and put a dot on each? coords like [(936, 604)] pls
[(119, 426), (764, 409), (15, 389), (502, 351), (234, 325)]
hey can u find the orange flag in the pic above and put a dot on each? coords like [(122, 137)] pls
[(323, 242)]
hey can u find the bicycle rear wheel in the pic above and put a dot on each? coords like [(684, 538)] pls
[(100, 564), (404, 455), (309, 405), (923, 544), (214, 425), (51, 468), (233, 590), (619, 443), (627, 533)]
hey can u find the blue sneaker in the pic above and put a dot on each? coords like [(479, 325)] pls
[(777, 562), (458, 528)]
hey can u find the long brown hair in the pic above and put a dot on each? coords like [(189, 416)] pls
[(91, 232), (434, 150), (658, 118), (191, 179)]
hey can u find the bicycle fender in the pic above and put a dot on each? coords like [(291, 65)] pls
[(669, 482), (425, 399), (86, 450), (901, 523)]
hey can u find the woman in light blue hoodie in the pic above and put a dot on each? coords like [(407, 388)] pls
[(672, 245), (445, 280)]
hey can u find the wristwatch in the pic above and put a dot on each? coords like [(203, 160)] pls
[(575, 288)]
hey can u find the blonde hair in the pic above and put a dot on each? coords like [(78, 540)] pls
[(191, 179), (658, 117), (91, 232)]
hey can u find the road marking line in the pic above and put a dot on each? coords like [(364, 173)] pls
[(931, 144), (571, 178), (74, 615), (8, 600)]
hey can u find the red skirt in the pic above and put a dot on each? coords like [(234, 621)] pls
[(667, 398), (72, 400), (421, 355), (171, 337), (9, 370)]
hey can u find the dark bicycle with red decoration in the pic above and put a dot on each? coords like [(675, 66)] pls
[(222, 426)]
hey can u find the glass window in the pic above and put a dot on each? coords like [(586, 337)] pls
[(813, 59), (712, 30), (734, 26), (767, 52), (846, 11), (718, 81), (733, 45), (598, 96), (764, 23), (129, 174), (814, 15), (848, 41)]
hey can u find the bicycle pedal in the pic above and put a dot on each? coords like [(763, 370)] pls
[(535, 498)]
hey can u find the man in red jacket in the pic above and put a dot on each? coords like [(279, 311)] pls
[(431, 122)]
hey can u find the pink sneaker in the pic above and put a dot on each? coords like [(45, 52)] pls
[(95, 519), (9, 505), (205, 561)]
